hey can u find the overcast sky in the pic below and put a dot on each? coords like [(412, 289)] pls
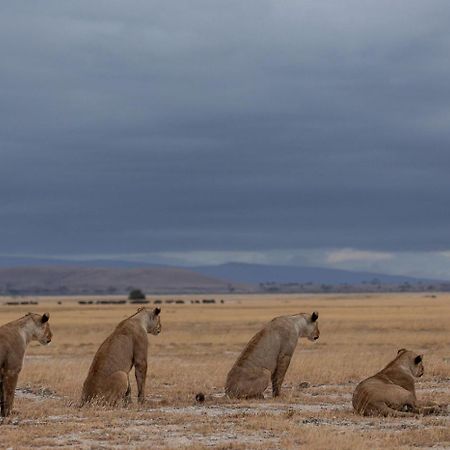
[(303, 132)]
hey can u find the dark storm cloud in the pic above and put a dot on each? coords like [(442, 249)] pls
[(158, 126)]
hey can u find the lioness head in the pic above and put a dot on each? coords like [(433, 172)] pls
[(41, 329), (152, 320), (313, 332), (412, 360)]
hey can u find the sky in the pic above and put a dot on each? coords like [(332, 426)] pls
[(200, 132)]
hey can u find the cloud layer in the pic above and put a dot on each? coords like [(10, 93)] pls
[(252, 126)]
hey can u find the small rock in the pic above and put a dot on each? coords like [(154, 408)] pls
[(200, 397)]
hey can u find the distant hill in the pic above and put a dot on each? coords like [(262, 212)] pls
[(50, 277), (72, 280), (259, 273)]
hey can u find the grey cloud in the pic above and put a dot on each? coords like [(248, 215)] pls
[(160, 126)]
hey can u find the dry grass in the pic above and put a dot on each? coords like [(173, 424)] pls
[(198, 345)]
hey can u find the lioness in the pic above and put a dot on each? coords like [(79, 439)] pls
[(14, 338), (268, 354), (391, 391), (107, 380)]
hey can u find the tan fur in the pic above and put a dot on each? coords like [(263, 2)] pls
[(267, 356), (14, 338), (391, 392), (107, 380)]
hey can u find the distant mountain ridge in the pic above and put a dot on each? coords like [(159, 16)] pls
[(260, 273)]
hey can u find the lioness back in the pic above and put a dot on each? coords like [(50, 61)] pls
[(263, 346), (116, 352)]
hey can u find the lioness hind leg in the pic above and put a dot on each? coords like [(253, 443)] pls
[(381, 409), (248, 383), (115, 388), (127, 399)]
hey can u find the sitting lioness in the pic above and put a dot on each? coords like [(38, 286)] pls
[(268, 354), (14, 338), (107, 381), (391, 391)]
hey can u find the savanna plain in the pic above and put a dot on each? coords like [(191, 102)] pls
[(198, 344)]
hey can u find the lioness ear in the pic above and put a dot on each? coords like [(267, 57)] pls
[(418, 359), (402, 350), (45, 317), (156, 311), (314, 316)]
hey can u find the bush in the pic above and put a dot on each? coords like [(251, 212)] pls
[(136, 294)]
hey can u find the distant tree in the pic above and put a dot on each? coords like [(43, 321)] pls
[(136, 294)]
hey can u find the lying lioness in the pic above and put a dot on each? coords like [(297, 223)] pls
[(268, 354), (14, 338), (107, 380), (391, 391)]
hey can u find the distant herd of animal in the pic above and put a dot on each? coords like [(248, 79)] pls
[(265, 359)]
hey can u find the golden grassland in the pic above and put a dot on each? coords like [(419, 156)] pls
[(196, 348)]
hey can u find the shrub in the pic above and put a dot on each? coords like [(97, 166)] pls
[(136, 294)]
